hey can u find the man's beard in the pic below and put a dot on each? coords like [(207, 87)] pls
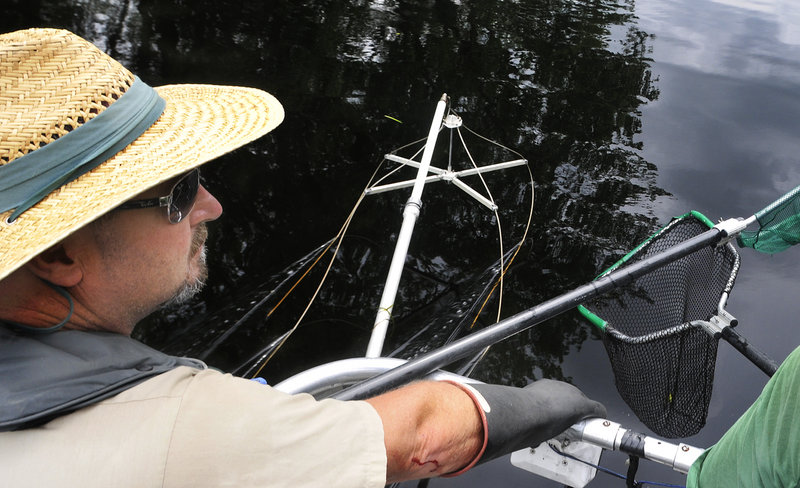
[(194, 284)]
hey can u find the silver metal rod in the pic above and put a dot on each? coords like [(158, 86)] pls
[(400, 184), (474, 194), (410, 214), (491, 167), (613, 437), (412, 163)]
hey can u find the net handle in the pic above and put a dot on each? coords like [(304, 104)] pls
[(741, 344), (476, 342), (772, 206)]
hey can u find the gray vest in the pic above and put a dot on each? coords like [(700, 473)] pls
[(43, 376)]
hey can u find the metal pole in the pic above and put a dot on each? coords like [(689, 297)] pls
[(410, 214), (613, 437)]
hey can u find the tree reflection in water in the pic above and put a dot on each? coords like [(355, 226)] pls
[(559, 81)]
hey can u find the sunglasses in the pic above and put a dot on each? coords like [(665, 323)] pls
[(179, 201)]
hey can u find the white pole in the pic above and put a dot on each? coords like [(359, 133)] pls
[(410, 214)]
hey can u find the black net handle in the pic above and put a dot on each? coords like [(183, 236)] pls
[(477, 341), (474, 343), (764, 362)]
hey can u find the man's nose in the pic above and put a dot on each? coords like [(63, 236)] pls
[(206, 207)]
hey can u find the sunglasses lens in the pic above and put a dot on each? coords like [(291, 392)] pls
[(184, 194)]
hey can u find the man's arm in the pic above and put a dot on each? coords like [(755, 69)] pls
[(430, 429), (763, 447)]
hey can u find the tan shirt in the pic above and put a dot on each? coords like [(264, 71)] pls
[(190, 428)]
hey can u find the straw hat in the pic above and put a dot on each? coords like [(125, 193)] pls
[(52, 82)]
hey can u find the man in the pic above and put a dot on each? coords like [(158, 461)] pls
[(103, 221)]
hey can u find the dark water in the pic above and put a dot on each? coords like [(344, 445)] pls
[(629, 113)]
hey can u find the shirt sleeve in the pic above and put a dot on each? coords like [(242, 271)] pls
[(235, 432), (763, 447)]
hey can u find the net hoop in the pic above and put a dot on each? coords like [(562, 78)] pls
[(654, 330)]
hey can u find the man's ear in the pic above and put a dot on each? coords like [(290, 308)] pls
[(56, 266)]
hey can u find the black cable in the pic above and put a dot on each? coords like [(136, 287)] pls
[(612, 472), (633, 467)]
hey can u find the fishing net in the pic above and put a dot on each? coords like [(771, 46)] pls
[(654, 329), (779, 226)]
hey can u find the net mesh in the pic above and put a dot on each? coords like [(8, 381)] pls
[(663, 361), (779, 226)]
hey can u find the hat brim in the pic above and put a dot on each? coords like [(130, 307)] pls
[(199, 123)]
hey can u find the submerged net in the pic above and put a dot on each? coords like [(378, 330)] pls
[(779, 226), (663, 359)]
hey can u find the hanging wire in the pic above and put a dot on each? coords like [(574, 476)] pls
[(496, 216), (499, 282), (527, 226), (313, 257), (338, 239), (504, 267)]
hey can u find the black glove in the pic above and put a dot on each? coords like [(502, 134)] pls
[(525, 417)]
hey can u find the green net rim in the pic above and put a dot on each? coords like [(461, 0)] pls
[(601, 323)]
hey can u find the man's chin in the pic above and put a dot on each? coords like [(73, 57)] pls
[(188, 291), (195, 283), (198, 270)]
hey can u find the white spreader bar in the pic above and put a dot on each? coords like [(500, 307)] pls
[(446, 175)]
